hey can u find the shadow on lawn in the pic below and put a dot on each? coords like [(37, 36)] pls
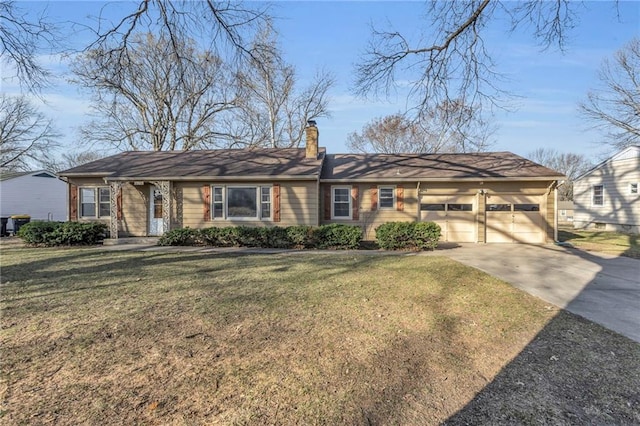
[(580, 374), (563, 375)]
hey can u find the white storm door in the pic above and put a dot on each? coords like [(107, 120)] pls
[(156, 224)]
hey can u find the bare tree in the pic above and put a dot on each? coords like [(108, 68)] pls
[(434, 133), (273, 112), (226, 26), (451, 60), (21, 39), (153, 99), (615, 107), (570, 164), (26, 135), (70, 159)]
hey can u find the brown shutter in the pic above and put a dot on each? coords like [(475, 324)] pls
[(206, 196), (400, 198), (355, 206), (327, 203), (276, 202), (73, 202), (119, 205), (374, 198)]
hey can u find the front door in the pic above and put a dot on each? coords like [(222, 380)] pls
[(156, 225)]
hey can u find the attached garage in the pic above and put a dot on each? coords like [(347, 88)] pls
[(515, 218), (456, 215)]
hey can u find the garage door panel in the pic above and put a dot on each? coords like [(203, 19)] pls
[(457, 224), (522, 224)]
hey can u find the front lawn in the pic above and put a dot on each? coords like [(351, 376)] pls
[(103, 337), (605, 242)]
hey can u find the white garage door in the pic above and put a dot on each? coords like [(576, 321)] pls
[(456, 216), (515, 219)]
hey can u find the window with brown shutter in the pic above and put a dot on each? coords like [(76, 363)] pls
[(206, 196), (327, 203), (355, 210), (400, 198), (276, 202), (119, 205), (374, 198)]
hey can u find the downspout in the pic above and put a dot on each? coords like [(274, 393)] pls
[(418, 200), (555, 213), (66, 180)]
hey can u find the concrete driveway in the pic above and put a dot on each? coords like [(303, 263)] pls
[(602, 288)]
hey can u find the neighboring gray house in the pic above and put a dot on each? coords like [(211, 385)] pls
[(39, 194), (607, 197)]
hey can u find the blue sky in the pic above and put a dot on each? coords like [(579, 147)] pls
[(332, 35)]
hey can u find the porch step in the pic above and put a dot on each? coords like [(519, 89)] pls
[(151, 241)]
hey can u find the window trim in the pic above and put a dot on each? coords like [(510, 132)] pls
[(97, 201), (393, 197), (593, 195), (225, 202), (333, 202)]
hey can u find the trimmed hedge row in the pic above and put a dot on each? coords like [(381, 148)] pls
[(408, 235), (51, 234), (334, 236)]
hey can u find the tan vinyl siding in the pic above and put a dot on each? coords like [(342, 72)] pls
[(135, 210), (368, 220), (298, 204), (538, 192), (620, 208)]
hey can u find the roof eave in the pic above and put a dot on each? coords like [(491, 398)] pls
[(244, 178), (454, 179)]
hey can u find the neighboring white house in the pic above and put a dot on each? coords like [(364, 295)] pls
[(608, 196), (39, 194)]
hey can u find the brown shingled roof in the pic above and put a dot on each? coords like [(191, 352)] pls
[(397, 167), (203, 164)]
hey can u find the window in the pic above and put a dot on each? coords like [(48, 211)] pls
[(241, 202), (432, 207), (265, 202), (341, 200), (498, 207), (94, 200), (526, 207), (386, 197), (598, 195), (459, 207), (633, 188), (104, 201), (87, 202), (218, 202)]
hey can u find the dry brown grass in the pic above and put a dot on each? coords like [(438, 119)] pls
[(613, 243), (97, 337)]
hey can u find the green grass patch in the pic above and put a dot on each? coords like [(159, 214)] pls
[(91, 336), (606, 242)]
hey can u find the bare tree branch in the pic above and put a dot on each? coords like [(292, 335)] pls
[(153, 98), (22, 38), (26, 136), (570, 164), (615, 106), (451, 61), (397, 133)]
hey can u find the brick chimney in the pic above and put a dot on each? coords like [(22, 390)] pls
[(312, 140)]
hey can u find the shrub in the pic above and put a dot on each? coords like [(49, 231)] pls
[(180, 237), (408, 235), (62, 233), (338, 236), (301, 236)]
